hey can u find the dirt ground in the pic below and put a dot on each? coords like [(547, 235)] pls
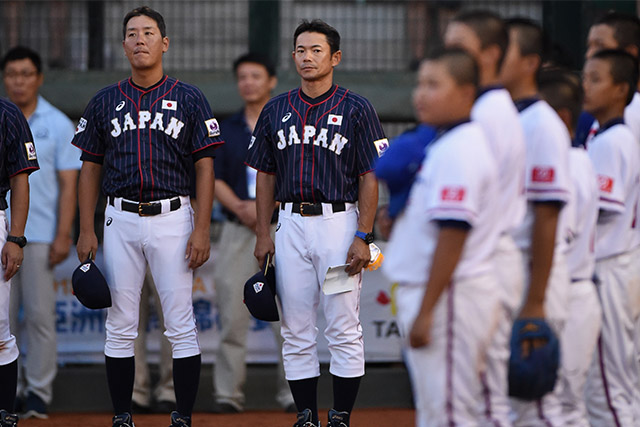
[(361, 417)]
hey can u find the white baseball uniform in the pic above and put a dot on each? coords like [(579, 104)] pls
[(632, 119), (582, 328), (450, 186), (495, 113), (9, 349), (614, 374), (547, 179)]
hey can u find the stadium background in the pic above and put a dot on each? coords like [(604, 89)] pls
[(80, 43)]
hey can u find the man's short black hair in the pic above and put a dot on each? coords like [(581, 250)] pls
[(21, 52), (144, 11), (623, 66), (562, 89), (460, 64), (488, 27), (319, 26), (254, 58), (531, 38), (626, 28)]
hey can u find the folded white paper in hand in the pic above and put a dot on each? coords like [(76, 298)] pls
[(337, 281)]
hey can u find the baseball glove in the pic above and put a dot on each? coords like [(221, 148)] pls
[(534, 361)]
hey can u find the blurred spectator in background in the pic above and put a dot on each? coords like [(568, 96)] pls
[(235, 263), (51, 215)]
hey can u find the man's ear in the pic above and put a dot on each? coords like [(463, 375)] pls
[(336, 57)]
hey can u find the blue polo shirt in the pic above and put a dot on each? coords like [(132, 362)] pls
[(230, 157), (52, 134)]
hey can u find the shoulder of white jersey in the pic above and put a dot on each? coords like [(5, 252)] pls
[(542, 114), (621, 131), (462, 141), (580, 163), (495, 105)]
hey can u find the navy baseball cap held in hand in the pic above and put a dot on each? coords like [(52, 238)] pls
[(260, 293), (90, 286)]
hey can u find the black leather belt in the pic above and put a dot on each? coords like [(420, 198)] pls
[(311, 209), (147, 208)]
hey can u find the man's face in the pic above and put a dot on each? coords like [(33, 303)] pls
[(22, 81), (313, 57), (143, 44), (254, 82), (437, 97), (599, 87), (600, 37)]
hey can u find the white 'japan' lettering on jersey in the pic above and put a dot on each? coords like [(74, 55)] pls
[(458, 181), (498, 117), (616, 160), (173, 128), (547, 176), (580, 216)]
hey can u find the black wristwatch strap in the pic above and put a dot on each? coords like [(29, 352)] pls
[(20, 241)]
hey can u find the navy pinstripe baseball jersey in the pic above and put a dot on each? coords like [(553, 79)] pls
[(317, 148), (147, 138), (17, 150)]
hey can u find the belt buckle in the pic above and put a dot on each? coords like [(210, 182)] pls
[(141, 205), (302, 205)]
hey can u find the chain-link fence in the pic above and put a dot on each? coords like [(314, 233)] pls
[(209, 35)]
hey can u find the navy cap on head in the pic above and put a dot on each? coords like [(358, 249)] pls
[(90, 286), (400, 163), (260, 294)]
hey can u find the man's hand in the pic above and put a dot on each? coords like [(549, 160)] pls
[(533, 310), (264, 246), (358, 256), (420, 335), (246, 212), (87, 244), (198, 249), (59, 250), (11, 259)]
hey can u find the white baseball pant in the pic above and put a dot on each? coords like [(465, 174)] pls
[(130, 242), (306, 246), (614, 373), (580, 339), (508, 266), (445, 375), (547, 412), (8, 347)]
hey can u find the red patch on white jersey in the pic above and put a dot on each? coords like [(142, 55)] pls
[(453, 194), (543, 174), (605, 183)]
